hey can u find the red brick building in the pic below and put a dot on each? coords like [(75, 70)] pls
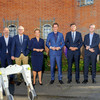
[(42, 13)]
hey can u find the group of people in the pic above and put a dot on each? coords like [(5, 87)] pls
[(18, 47), (73, 41)]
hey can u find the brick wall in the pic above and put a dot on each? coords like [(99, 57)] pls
[(64, 11)]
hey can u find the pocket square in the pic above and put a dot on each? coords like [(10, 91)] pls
[(25, 39)]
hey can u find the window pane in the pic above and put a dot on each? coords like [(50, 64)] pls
[(13, 31), (46, 30)]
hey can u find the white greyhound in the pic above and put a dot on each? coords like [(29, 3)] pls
[(25, 70)]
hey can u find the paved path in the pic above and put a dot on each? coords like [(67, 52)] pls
[(66, 91)]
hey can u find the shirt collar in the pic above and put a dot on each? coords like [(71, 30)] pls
[(91, 34), (56, 33), (6, 38), (20, 35), (73, 32)]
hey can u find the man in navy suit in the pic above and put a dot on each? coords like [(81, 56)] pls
[(91, 44), (55, 42), (20, 49), (5, 49), (73, 42)]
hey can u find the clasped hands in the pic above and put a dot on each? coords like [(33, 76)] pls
[(90, 49), (55, 48), (38, 50), (73, 48)]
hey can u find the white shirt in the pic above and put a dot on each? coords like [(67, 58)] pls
[(6, 40), (73, 33), (91, 37)]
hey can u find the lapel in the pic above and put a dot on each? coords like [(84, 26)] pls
[(88, 40), (71, 36), (53, 37), (18, 39), (57, 37), (8, 41), (4, 41)]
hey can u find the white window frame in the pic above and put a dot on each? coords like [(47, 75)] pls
[(14, 32), (47, 32), (86, 2)]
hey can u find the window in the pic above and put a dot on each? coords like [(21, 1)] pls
[(46, 30), (12, 29), (85, 2), (12, 25), (46, 27)]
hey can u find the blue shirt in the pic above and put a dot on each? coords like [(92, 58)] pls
[(91, 37)]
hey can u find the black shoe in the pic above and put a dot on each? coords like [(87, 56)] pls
[(93, 81), (34, 85), (18, 83), (77, 81), (61, 82), (85, 82), (52, 81), (69, 81), (40, 83)]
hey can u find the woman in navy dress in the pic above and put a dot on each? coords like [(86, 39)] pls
[(37, 48)]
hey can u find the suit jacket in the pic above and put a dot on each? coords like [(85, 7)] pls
[(59, 43), (77, 42), (17, 46), (94, 45), (3, 46)]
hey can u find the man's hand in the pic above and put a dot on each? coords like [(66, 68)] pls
[(73, 48), (57, 48), (12, 57), (92, 50), (87, 47)]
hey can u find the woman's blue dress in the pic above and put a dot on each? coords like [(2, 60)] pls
[(36, 57)]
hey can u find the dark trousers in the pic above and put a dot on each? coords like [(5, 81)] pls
[(6, 60), (90, 58), (73, 56)]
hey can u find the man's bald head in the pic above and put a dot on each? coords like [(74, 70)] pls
[(6, 31)]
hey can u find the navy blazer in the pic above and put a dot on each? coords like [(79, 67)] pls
[(16, 46), (59, 43), (77, 43), (3, 46), (94, 45)]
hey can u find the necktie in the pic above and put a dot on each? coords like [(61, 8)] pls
[(21, 40)]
